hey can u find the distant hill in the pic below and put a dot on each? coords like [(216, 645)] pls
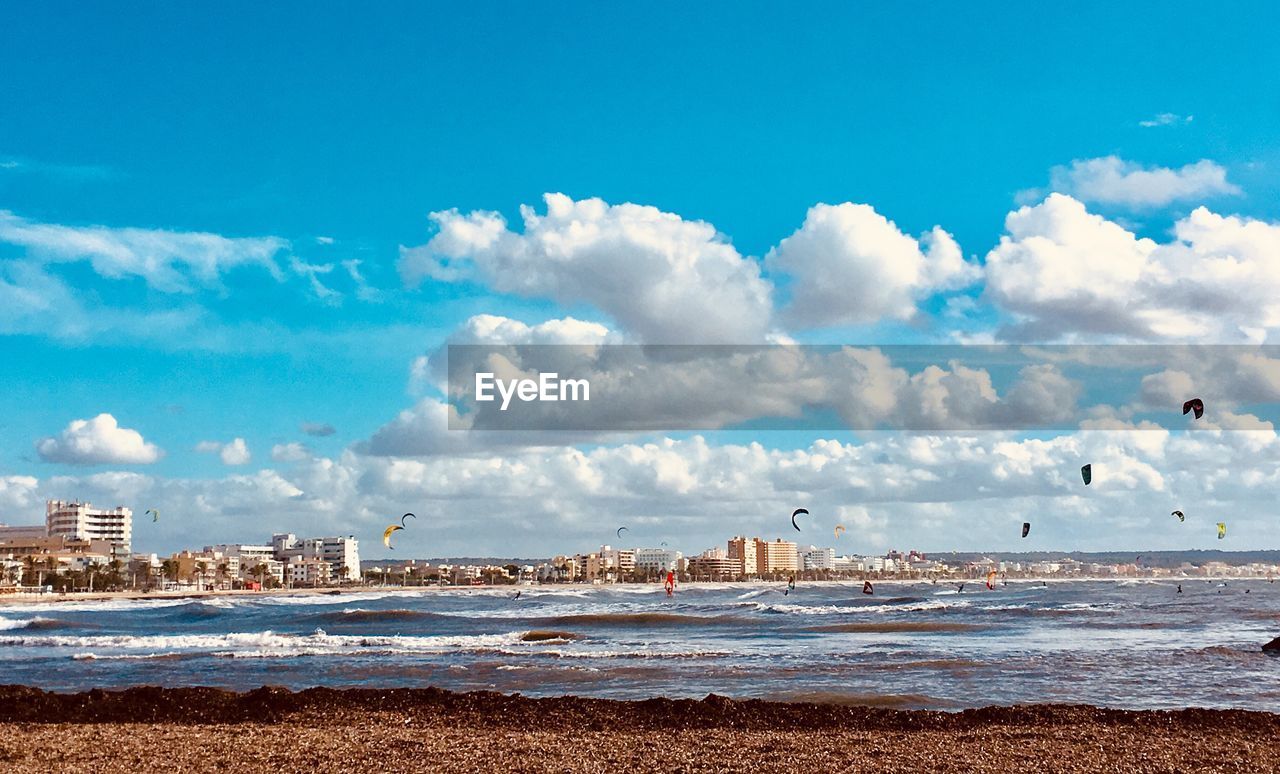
[(1149, 558)]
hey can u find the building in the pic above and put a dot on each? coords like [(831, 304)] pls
[(714, 563), (81, 521), (309, 572), (743, 551), (342, 553), (22, 534), (656, 561), (819, 558), (780, 556), (621, 559)]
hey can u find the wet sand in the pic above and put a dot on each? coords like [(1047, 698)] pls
[(146, 729)]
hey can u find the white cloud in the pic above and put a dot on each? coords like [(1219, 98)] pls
[(1113, 181), (924, 491), (170, 261), (663, 279), (1165, 119), (98, 441), (290, 452), (313, 272), (235, 452), (317, 429), (1065, 273), (850, 264)]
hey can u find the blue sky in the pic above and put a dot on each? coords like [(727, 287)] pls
[(333, 132)]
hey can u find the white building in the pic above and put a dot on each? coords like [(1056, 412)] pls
[(309, 572), (342, 553), (657, 560), (81, 521), (819, 558)]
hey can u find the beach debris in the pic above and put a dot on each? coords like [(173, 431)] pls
[(840, 530), (991, 579), (867, 588), (620, 530), (1272, 648), (407, 516), (1026, 528), (1086, 473), (155, 515), (1222, 530), (1196, 405), (1181, 516), (386, 535), (796, 513)]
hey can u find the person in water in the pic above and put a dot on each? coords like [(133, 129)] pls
[(1179, 588)]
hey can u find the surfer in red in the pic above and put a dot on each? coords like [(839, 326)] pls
[(671, 582)]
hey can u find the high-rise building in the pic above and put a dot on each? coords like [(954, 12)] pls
[(743, 551), (777, 557), (81, 521)]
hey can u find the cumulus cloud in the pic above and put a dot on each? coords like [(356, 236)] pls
[(170, 261), (662, 278), (849, 264), (1065, 273), (1111, 180), (290, 452), (234, 452), (98, 441), (317, 429), (923, 491)]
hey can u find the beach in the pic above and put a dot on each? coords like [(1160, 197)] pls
[(435, 730)]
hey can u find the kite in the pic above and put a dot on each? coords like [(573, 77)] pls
[(839, 531), (867, 588), (1086, 473), (796, 513), (386, 535), (1180, 515), (1222, 530), (620, 531), (1026, 528), (1196, 405), (407, 516), (155, 515)]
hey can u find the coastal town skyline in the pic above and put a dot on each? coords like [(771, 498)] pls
[(275, 344)]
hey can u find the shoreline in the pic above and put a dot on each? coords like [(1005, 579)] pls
[(21, 703), (429, 729), (18, 600)]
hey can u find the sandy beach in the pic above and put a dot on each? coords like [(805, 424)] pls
[(432, 730)]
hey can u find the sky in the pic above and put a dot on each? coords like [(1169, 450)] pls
[(235, 240)]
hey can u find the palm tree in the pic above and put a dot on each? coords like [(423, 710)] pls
[(169, 570), (115, 566)]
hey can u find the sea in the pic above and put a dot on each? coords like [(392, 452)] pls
[(1126, 644)]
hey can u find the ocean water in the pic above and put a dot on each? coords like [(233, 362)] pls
[(917, 645)]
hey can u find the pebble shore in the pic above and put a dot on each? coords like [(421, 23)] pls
[(272, 729)]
